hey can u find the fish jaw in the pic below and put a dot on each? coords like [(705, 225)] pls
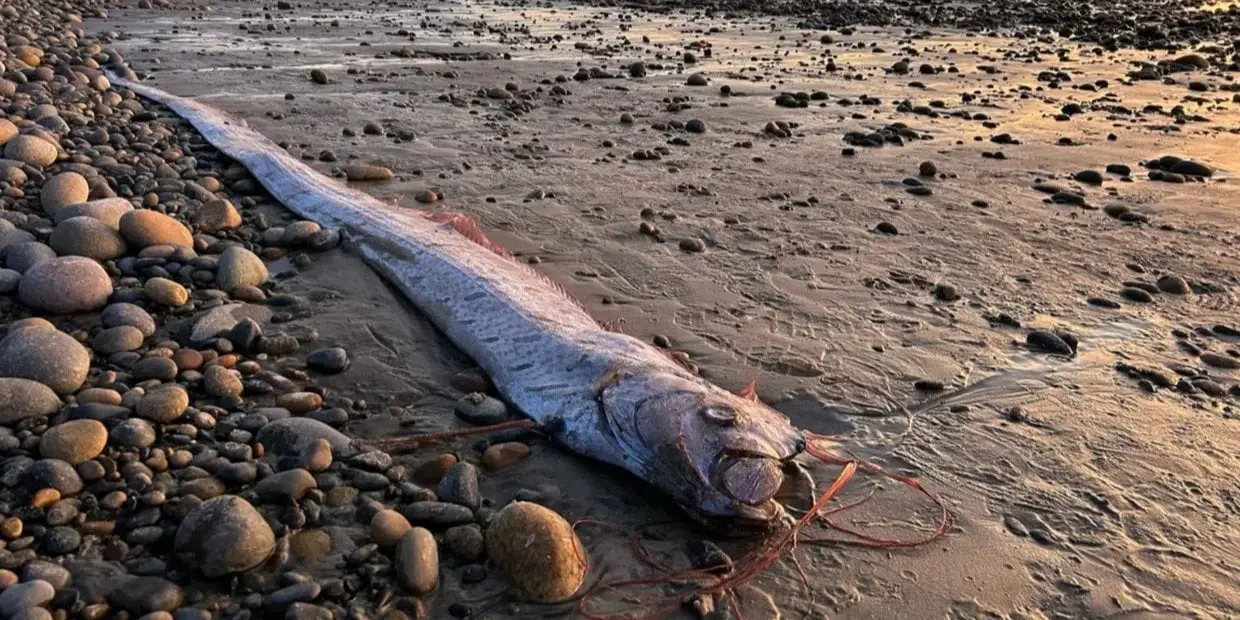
[(719, 456)]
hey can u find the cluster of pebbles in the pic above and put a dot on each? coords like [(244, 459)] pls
[(164, 449)]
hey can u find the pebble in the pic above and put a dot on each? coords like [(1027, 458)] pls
[(28, 595), (300, 402), (9, 281), (363, 172), (164, 404), (20, 257), (166, 292), (52, 474), (62, 190), (217, 215), (30, 150), (107, 210), (501, 455), (223, 536), (417, 561), (466, 541), (1048, 342), (119, 314), (118, 339), (331, 360), (285, 487), (22, 398), (46, 355), (298, 233), (437, 514), (318, 458), (74, 441), (65, 285), (240, 267), (433, 470), (388, 527), (145, 595), (537, 551), (222, 382), (143, 228), (293, 436), (132, 433), (1219, 361), (482, 410), (155, 367), (1173, 285), (460, 486)]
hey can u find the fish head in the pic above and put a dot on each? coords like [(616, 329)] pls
[(720, 456)]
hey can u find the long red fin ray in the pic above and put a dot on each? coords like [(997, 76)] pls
[(469, 228)]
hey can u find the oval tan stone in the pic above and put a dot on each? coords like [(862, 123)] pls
[(63, 190), (143, 228), (537, 551)]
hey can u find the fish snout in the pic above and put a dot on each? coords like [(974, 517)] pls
[(751, 480)]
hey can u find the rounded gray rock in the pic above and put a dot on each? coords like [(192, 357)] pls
[(28, 595), (65, 285), (117, 339), (48, 356), (122, 313), (132, 433), (240, 267), (89, 237), (9, 281), (106, 210), (23, 398), (20, 257), (224, 535)]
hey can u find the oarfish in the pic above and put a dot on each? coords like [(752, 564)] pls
[(606, 395)]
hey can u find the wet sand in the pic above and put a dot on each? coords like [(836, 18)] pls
[(1099, 500)]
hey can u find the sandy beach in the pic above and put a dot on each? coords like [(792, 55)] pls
[(866, 221)]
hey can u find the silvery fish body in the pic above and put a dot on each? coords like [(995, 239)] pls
[(611, 397)]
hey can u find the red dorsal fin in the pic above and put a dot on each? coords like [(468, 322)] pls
[(469, 228), (749, 392)]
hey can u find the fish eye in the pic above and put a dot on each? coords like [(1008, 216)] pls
[(721, 415)]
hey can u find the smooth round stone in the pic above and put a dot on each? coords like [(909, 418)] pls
[(480, 409), (365, 172), (216, 215), (293, 436), (222, 382), (224, 535), (20, 257), (300, 402), (164, 404), (89, 237), (417, 561), (298, 233), (460, 486), (285, 487), (132, 433), (388, 527), (48, 356), (501, 455), (119, 314), (106, 210), (145, 595), (11, 237), (466, 541), (62, 190), (143, 228), (54, 574), (318, 458), (34, 613), (52, 474), (537, 551), (8, 130), (166, 292), (9, 281), (30, 150), (161, 368), (118, 339), (240, 267), (65, 285), (28, 595), (61, 540), (331, 360), (75, 441), (23, 398)]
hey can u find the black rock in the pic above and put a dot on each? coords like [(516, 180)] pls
[(706, 555), (1048, 342), (331, 360), (460, 486), (144, 595)]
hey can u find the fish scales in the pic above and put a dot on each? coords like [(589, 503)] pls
[(622, 401)]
